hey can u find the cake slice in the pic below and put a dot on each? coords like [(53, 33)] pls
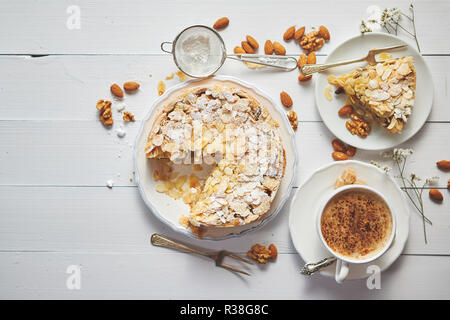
[(385, 90)]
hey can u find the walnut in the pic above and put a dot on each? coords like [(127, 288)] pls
[(293, 119), (312, 41), (103, 104), (128, 116), (105, 112), (261, 254), (358, 125)]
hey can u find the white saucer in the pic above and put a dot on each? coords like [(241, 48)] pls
[(169, 210), (379, 138), (306, 202)]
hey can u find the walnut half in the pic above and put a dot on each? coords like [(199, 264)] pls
[(293, 119)]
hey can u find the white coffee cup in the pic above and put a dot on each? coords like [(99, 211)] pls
[(342, 263)]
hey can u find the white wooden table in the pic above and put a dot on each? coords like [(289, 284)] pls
[(55, 156)]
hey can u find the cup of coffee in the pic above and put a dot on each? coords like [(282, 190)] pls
[(356, 225)]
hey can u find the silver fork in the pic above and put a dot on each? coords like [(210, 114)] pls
[(308, 69), (218, 257)]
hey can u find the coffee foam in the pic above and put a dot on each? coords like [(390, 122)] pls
[(356, 225)]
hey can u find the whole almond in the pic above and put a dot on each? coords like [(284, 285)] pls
[(345, 111), (324, 33), (351, 151), (339, 156), (238, 49), (268, 47), (448, 184), (436, 195), (252, 41), (303, 78), (289, 33), (443, 164), (299, 33), (116, 90), (131, 86), (338, 145), (302, 60), (279, 48), (311, 59), (221, 23), (247, 47), (286, 99)]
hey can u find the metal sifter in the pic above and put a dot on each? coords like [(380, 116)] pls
[(199, 51)]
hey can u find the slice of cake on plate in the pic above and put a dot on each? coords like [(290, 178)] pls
[(385, 90)]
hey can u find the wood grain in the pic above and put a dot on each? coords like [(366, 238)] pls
[(106, 27)]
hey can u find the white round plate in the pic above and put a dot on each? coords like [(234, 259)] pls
[(319, 186), (379, 138), (169, 210)]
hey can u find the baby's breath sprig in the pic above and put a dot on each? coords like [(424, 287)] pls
[(390, 21), (412, 185)]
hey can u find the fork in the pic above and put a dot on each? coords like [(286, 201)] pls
[(309, 69), (218, 257)]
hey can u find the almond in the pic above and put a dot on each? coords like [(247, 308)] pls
[(311, 59), (299, 33), (338, 145), (345, 111), (238, 49), (247, 47), (251, 41), (222, 23), (339, 156), (116, 90), (448, 184), (443, 164), (279, 48), (324, 33), (286, 99), (302, 60), (131, 86), (289, 33), (268, 47), (303, 78), (436, 195), (351, 151)]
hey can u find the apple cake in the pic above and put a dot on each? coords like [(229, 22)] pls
[(229, 129), (385, 90)]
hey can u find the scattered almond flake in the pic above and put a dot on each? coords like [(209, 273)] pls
[(385, 56), (328, 93), (109, 183), (171, 76), (373, 84), (161, 87), (182, 76)]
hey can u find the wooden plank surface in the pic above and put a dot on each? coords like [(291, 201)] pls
[(166, 275), (96, 219), (85, 79), (139, 27)]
